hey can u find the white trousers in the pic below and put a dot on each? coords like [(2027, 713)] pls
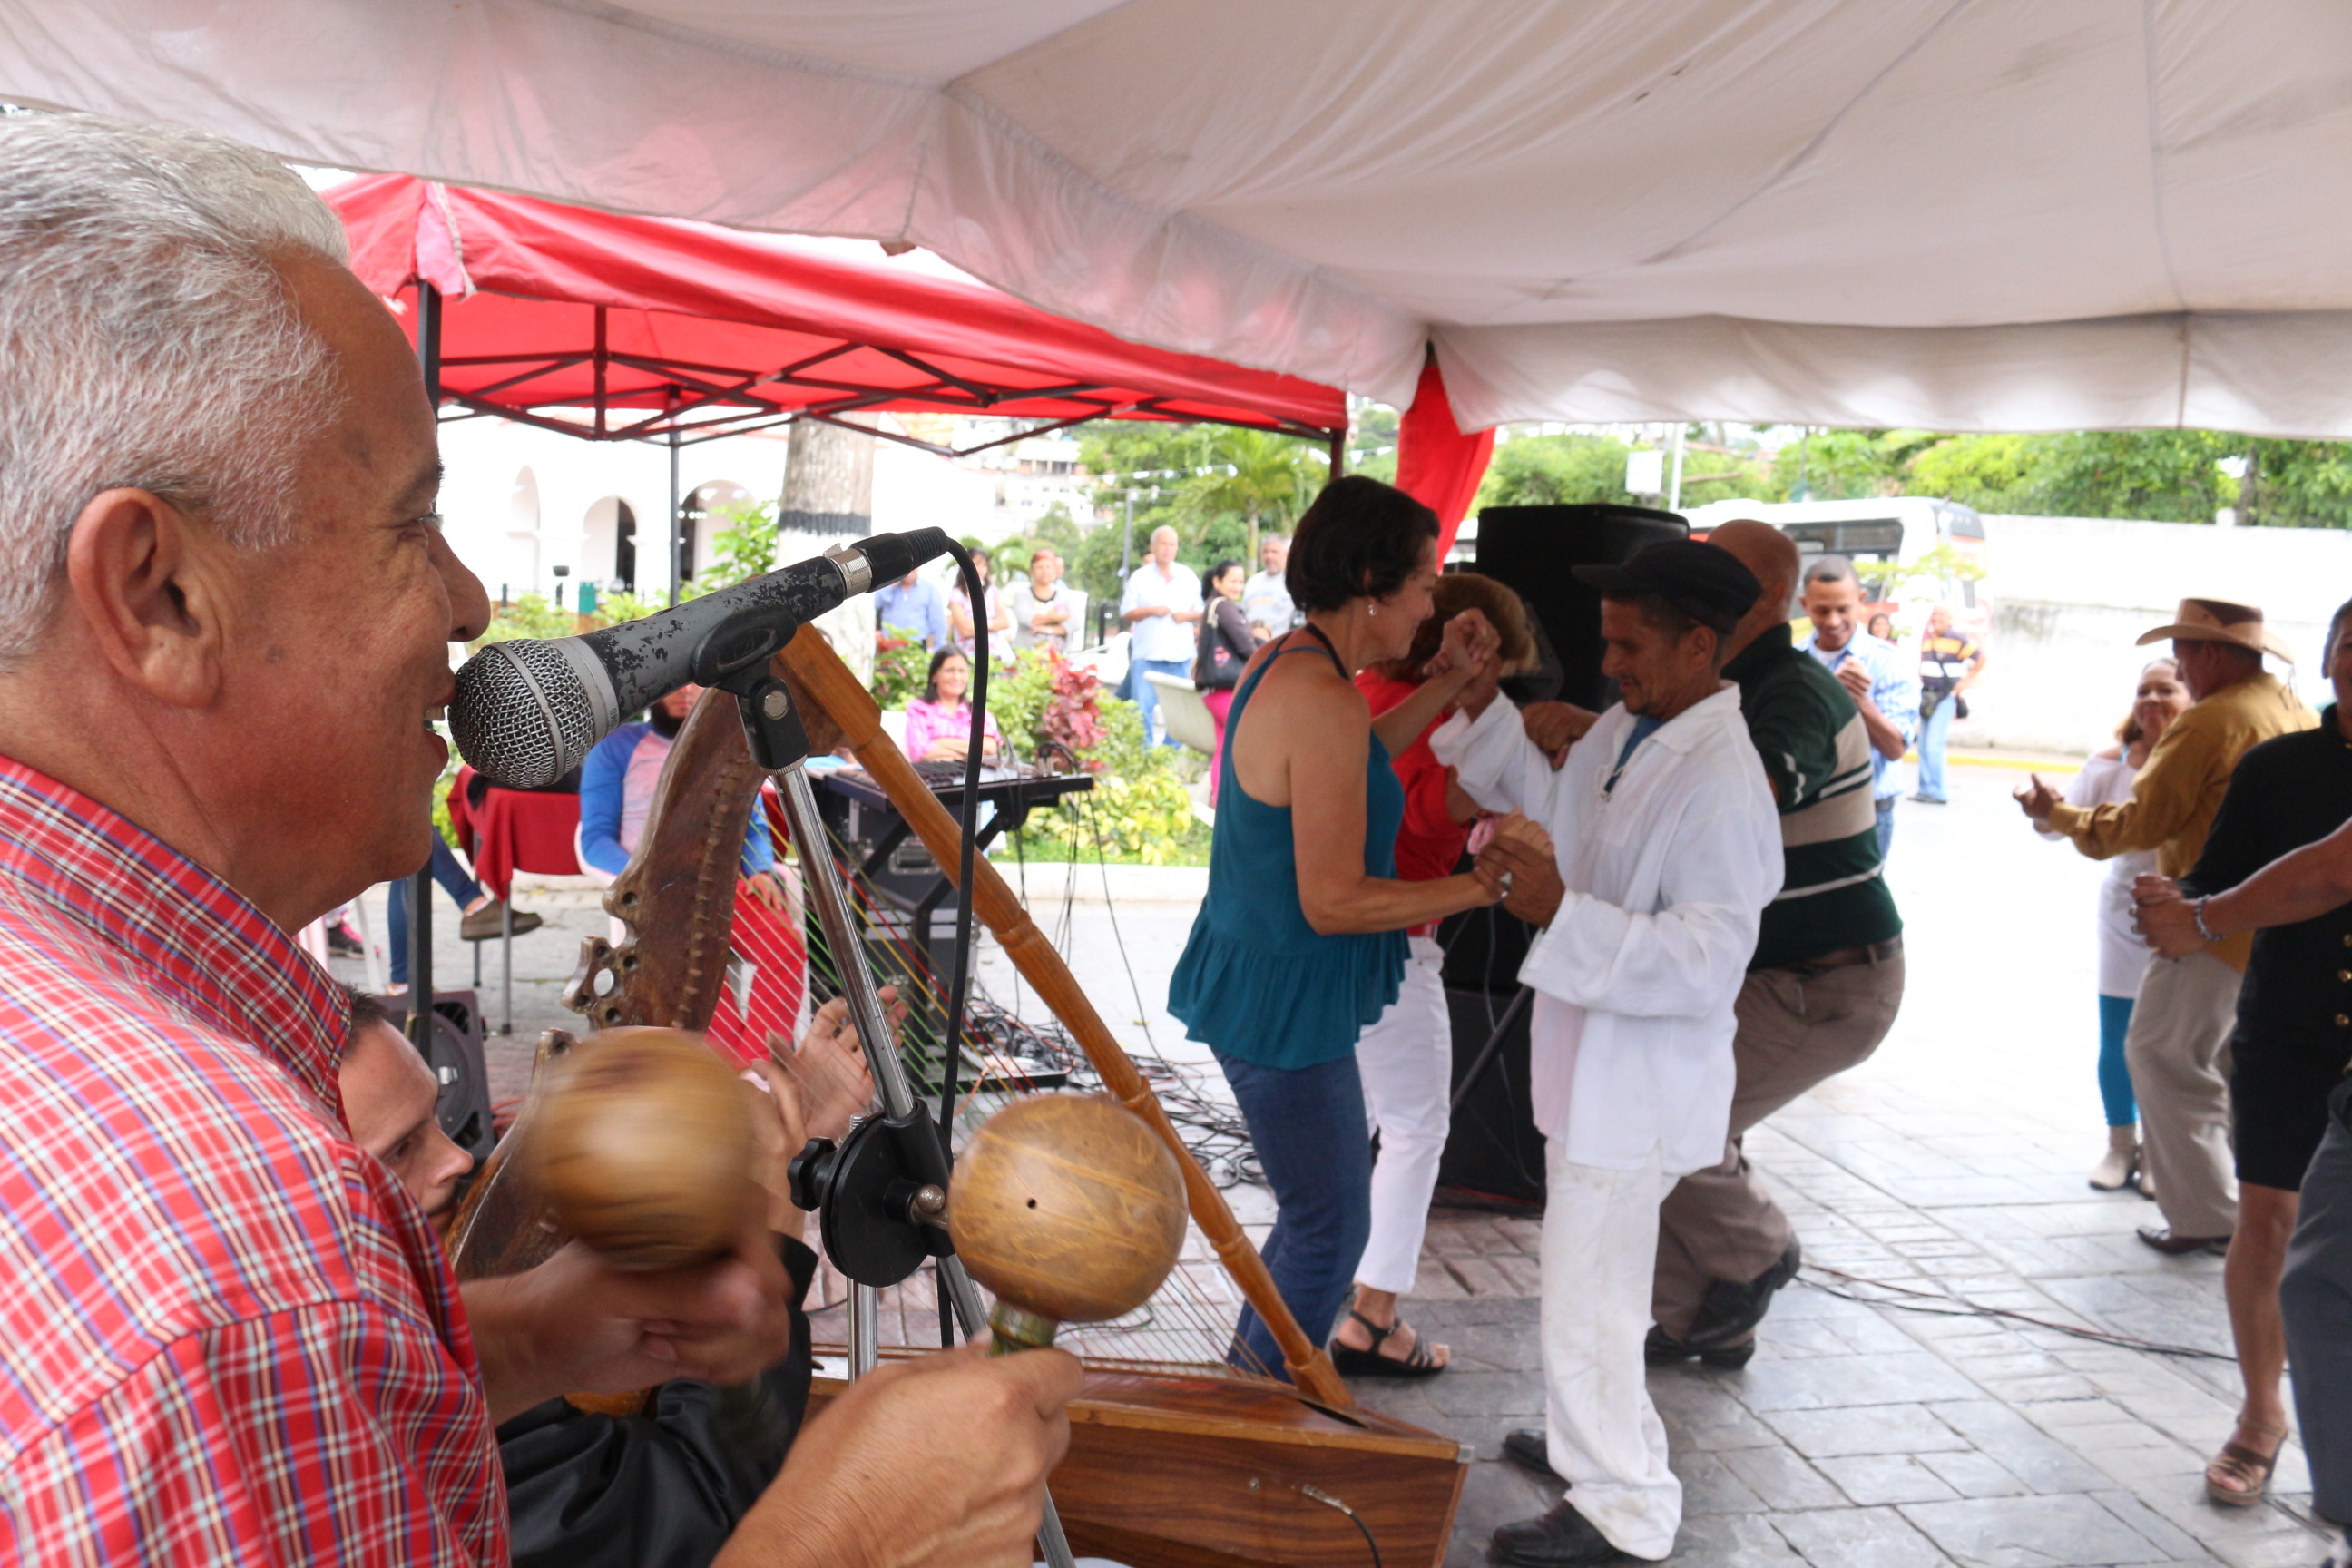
[(1406, 1059), (1599, 1244)]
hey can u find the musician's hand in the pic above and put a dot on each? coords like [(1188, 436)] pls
[(828, 1068), (768, 887), (1555, 726), (941, 1459), (577, 1325)]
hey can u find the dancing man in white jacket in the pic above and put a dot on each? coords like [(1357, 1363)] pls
[(1647, 857)]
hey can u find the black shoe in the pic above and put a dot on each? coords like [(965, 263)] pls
[(1931, 800), (2161, 1239), (342, 943), (1561, 1539), (1527, 1447), (1731, 1311), (1661, 1349)]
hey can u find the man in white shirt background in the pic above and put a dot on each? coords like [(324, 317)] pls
[(1162, 607), (1885, 684), (1265, 597), (1648, 860)]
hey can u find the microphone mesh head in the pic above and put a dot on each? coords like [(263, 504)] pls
[(521, 715)]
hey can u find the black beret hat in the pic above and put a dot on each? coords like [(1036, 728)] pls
[(1710, 586)]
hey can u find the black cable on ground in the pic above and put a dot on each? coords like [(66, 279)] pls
[(1938, 1304)]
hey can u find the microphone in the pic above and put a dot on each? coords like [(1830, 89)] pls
[(527, 712)]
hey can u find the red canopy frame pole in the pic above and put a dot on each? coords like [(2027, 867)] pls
[(420, 888), (677, 533), (1339, 453)]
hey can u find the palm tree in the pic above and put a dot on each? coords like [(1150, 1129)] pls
[(1265, 476)]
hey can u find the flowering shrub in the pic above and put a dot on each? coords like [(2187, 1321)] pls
[(902, 668), (1139, 810)]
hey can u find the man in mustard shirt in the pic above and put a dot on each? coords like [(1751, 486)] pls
[(2178, 1045)]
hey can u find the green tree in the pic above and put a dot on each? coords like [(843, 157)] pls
[(1260, 474), (1557, 470), (1990, 473)]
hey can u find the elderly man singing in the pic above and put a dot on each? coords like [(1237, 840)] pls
[(1662, 848), (228, 1334)]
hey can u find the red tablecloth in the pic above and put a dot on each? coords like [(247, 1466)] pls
[(514, 830)]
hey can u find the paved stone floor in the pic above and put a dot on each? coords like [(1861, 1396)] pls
[(1861, 1435)]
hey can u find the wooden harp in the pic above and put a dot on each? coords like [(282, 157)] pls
[(1173, 1468)]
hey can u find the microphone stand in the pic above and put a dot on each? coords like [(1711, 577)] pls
[(894, 1168)]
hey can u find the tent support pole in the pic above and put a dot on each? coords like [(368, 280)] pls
[(420, 890), (677, 534), (1339, 453)]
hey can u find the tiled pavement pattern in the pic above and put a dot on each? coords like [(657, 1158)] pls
[(1860, 1436)]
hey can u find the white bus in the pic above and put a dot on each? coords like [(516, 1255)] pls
[(1894, 531)]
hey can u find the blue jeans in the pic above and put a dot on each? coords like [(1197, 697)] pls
[(1312, 1139), (1932, 735), (1145, 695), (2115, 1075), (454, 881), (1886, 825)]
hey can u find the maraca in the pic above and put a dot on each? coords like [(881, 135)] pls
[(1069, 1210), (643, 1147)]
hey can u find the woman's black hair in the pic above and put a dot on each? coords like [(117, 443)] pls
[(1209, 578), (931, 678), (1361, 539)]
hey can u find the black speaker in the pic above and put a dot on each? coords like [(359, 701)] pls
[(1494, 1156), (1531, 548), (456, 1059)]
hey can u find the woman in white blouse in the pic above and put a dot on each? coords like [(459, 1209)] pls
[(2107, 779)]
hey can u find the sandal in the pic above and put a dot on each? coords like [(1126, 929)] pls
[(2248, 1470), (1371, 1362)]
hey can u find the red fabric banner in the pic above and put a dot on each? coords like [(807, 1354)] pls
[(1437, 465)]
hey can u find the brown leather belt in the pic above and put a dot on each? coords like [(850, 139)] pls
[(1847, 957)]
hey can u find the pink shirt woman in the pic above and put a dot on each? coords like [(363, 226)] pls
[(939, 723)]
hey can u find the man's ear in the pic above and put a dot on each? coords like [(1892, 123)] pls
[(135, 569)]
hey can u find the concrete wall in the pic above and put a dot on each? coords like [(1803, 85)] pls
[(2072, 594)]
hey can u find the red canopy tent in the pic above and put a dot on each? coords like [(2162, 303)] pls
[(664, 330)]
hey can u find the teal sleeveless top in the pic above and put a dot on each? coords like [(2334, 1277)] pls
[(1257, 980)]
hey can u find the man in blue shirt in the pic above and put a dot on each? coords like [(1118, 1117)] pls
[(1883, 685), (616, 791), (913, 606)]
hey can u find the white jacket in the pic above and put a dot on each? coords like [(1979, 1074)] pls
[(1636, 975)]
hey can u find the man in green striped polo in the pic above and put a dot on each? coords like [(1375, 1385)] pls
[(1824, 985)]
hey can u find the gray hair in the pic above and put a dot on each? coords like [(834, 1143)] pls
[(147, 339)]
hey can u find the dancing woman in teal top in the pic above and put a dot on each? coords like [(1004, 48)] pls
[(1301, 944)]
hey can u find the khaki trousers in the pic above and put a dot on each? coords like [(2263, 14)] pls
[(2179, 1052), (1796, 1029)]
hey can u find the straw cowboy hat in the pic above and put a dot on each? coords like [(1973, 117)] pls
[(2217, 620)]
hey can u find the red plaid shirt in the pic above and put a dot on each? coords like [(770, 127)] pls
[(226, 1335)]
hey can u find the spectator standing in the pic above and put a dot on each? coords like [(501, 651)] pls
[(1226, 644), (1950, 661), (1042, 607), (1653, 853), (1161, 606), (1407, 1058), (1881, 627), (1300, 943), (939, 723), (961, 624), (1266, 600), (912, 608), (2177, 1043), (2106, 780), (2291, 1046), (1883, 687)]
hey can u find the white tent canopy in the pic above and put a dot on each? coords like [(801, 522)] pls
[(1957, 214)]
